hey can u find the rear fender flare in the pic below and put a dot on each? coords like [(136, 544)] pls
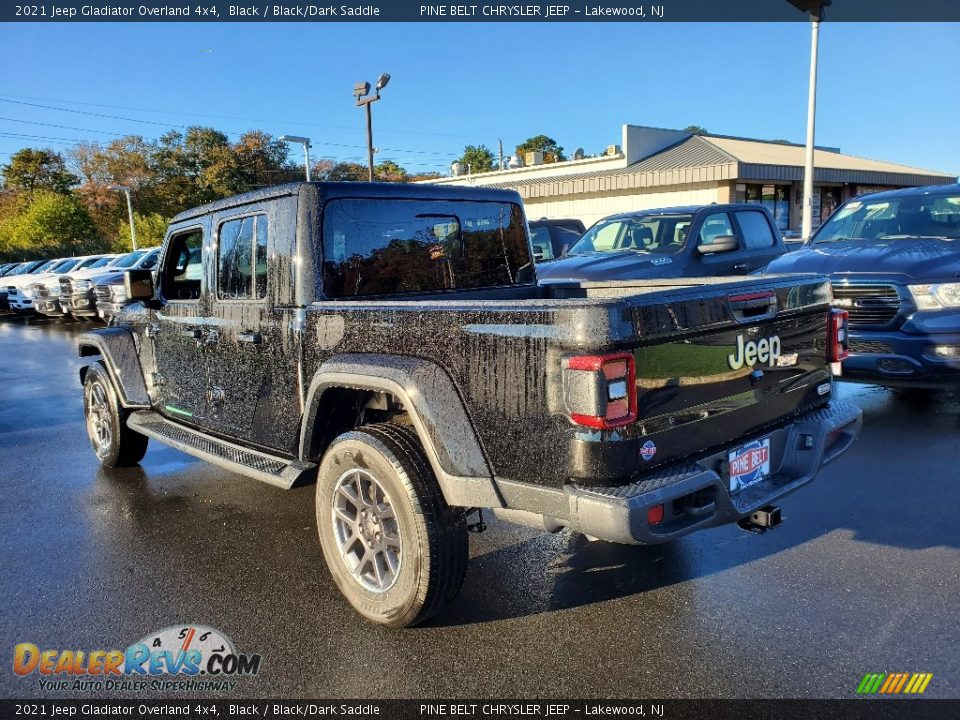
[(436, 411)]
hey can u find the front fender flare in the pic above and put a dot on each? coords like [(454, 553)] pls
[(436, 409), (119, 352)]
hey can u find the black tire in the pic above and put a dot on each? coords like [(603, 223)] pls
[(433, 545), (114, 443)]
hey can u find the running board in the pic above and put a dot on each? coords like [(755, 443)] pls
[(277, 471)]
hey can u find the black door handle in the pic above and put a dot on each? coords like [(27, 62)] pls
[(254, 338), (192, 333)]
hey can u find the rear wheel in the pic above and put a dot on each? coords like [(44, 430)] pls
[(396, 550), (115, 444)]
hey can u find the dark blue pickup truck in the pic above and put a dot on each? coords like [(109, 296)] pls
[(894, 262), (694, 241)]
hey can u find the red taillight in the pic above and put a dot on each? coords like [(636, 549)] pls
[(655, 515), (837, 341), (601, 390)]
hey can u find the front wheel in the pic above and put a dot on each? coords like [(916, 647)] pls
[(396, 550), (115, 444)]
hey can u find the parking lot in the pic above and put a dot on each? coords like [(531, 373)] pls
[(863, 576)]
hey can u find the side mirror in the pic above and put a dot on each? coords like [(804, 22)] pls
[(138, 284), (720, 244)]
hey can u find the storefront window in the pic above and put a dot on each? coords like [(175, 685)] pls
[(829, 200), (776, 198)]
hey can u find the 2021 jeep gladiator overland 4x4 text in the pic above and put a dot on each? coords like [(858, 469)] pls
[(391, 343)]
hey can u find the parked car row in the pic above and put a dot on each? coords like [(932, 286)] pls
[(88, 286), (893, 259)]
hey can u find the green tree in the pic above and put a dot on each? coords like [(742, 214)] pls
[(48, 224), (151, 229), (547, 145), (479, 158), (31, 169), (696, 129)]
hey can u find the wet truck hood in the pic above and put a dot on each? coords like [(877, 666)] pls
[(620, 265), (915, 259)]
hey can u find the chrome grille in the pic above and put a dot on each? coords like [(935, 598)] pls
[(867, 304), (40, 290), (103, 292), (66, 287)]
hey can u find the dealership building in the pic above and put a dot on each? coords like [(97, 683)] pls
[(656, 167)]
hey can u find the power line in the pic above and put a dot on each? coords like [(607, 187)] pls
[(444, 157), (234, 117)]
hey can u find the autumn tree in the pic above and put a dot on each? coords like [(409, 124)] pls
[(431, 175), (389, 171), (31, 169), (347, 171), (547, 145)]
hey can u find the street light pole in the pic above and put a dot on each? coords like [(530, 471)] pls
[(815, 8), (306, 148), (370, 140), (807, 226), (133, 229), (361, 91)]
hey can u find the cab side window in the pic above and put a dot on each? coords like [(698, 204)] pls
[(756, 229), (182, 274), (242, 258), (714, 226)]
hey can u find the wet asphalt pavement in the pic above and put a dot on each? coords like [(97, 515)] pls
[(863, 576)]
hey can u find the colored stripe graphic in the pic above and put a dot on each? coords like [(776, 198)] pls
[(903, 680), (894, 683)]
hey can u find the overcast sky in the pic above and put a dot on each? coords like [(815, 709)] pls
[(887, 91)]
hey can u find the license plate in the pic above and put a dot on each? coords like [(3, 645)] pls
[(749, 464)]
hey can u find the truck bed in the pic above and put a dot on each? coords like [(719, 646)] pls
[(505, 352)]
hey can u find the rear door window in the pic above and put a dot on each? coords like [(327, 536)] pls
[(242, 258)]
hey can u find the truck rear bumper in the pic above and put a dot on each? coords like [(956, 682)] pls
[(696, 495)]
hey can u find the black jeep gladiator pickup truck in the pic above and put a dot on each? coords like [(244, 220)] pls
[(391, 342)]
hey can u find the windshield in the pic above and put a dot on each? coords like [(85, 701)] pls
[(130, 259), (43, 267), (85, 263), (148, 262), (102, 262), (67, 265), (893, 218), (662, 234), (62, 266)]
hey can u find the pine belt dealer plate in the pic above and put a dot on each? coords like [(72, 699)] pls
[(749, 464)]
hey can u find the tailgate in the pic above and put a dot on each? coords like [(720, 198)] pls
[(727, 363)]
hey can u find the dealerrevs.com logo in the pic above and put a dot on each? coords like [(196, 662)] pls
[(184, 658)]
